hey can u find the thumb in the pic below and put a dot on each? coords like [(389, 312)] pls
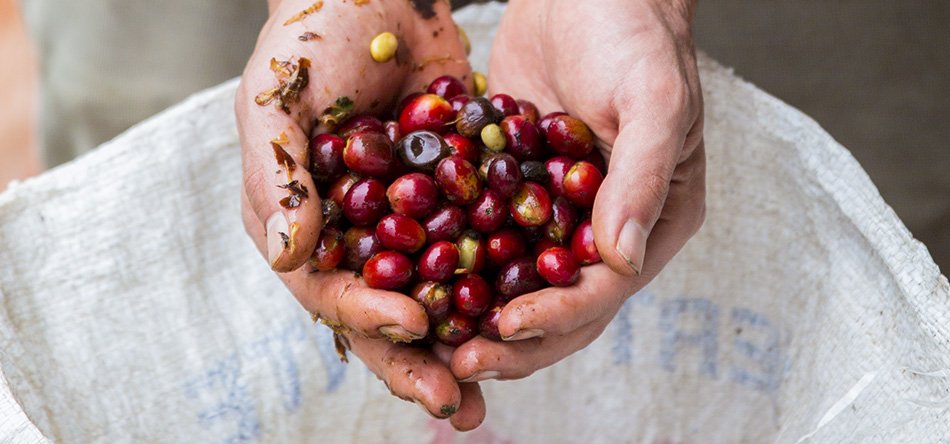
[(280, 190), (633, 193)]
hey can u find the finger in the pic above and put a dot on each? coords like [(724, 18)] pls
[(683, 214), (471, 412), (341, 299), (443, 352), (412, 374), (644, 155), (442, 54), (556, 311), (280, 190), (480, 359)]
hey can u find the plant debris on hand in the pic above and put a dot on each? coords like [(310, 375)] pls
[(316, 6), (291, 80), (338, 112)]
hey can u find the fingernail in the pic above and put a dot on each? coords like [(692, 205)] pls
[(446, 410), (632, 245), (396, 333), (481, 376), (525, 334), (278, 236)]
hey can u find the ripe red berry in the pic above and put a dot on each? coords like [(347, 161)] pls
[(541, 245), (531, 205), (445, 223), (439, 262), (422, 150), (359, 123), (365, 202), (405, 102), (569, 136), (456, 329), (388, 270), (505, 104), (400, 233), (557, 167), (488, 213), (369, 153), (426, 112), (329, 251), (436, 298), (414, 195), (391, 128), (446, 87), (529, 111), (520, 276), (581, 184), (337, 191), (462, 147), (545, 121), (458, 180), (472, 252), (504, 175), (558, 266), (522, 139), (597, 159), (459, 101), (361, 244), (563, 218), (326, 157), (582, 244), (488, 323), (505, 246), (471, 295)]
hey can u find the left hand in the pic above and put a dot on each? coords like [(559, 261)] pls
[(628, 69)]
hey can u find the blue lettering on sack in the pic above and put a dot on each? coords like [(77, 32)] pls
[(764, 355), (229, 409), (752, 357), (226, 406), (704, 336)]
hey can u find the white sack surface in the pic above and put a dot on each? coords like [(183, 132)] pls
[(133, 307)]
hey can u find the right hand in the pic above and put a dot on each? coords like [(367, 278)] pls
[(342, 66)]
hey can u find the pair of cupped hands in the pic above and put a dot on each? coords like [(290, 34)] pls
[(625, 67)]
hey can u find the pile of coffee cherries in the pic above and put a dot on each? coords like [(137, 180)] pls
[(463, 203)]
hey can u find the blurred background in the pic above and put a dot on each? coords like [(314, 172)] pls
[(874, 73)]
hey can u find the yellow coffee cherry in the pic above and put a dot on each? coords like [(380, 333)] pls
[(481, 83), (465, 41), (383, 47), (493, 138)]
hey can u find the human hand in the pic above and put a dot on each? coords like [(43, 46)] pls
[(628, 69), (280, 206)]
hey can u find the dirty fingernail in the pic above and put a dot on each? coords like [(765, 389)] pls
[(278, 236), (525, 334), (632, 245), (444, 412), (396, 333), (481, 376)]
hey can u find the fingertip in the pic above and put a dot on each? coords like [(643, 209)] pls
[(465, 360), (472, 410), (619, 237), (384, 314)]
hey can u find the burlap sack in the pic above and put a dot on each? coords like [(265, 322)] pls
[(133, 308)]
